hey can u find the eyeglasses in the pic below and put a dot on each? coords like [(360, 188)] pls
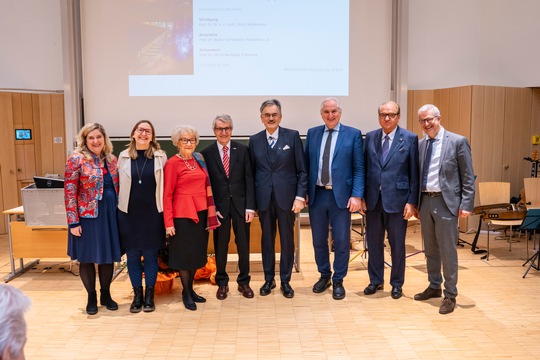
[(144, 131), (223, 129), (268, 116), (391, 116), (427, 120), (188, 141)]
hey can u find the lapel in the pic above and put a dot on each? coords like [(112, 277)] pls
[(217, 159), (317, 142), (233, 158), (339, 141)]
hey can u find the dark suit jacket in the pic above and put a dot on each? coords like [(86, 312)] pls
[(286, 175), (239, 186), (456, 175), (397, 178), (347, 163)]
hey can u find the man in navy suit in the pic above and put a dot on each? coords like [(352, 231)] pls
[(447, 186), (231, 177), (335, 161), (280, 189), (391, 158)]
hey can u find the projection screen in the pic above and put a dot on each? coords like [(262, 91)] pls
[(186, 61)]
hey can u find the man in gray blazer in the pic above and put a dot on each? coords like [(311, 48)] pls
[(446, 194)]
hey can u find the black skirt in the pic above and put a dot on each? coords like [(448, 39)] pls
[(188, 248)]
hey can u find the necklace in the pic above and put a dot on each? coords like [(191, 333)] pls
[(189, 166), (140, 173)]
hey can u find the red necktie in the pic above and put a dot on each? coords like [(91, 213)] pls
[(226, 160)]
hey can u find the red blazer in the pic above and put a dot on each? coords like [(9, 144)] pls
[(83, 186)]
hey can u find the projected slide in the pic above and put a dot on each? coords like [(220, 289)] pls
[(243, 48)]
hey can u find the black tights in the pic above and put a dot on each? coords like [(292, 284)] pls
[(87, 272), (186, 276)]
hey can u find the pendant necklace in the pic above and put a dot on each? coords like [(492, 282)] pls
[(189, 166), (137, 165)]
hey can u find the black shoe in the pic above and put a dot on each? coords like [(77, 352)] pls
[(267, 287), (137, 304), (197, 298), (372, 289), (447, 306), (338, 291), (106, 299), (322, 284), (188, 303), (287, 290), (91, 306), (428, 294), (396, 292), (149, 305)]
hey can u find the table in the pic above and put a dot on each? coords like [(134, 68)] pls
[(34, 242)]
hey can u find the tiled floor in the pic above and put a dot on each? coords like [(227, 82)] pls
[(498, 315)]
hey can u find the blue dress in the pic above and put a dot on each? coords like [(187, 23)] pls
[(99, 242)]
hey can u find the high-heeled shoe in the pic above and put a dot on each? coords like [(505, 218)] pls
[(197, 298), (189, 305)]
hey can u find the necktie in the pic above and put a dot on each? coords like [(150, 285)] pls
[(271, 141), (427, 161), (226, 160), (385, 147), (325, 171)]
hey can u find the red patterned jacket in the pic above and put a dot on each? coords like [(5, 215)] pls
[(83, 186)]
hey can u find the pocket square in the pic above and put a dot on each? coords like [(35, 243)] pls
[(286, 147)]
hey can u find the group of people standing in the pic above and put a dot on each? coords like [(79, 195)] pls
[(131, 204)]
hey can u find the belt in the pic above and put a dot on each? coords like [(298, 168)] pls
[(325, 187), (432, 194)]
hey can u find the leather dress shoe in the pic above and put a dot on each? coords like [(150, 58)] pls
[(447, 306), (372, 289), (338, 291), (190, 305), (428, 294), (322, 284), (246, 291), (222, 291), (287, 290), (197, 298), (396, 292), (267, 287)]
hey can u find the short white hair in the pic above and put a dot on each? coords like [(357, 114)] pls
[(13, 305)]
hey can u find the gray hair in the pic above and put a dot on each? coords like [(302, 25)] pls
[(389, 103), (429, 107), (181, 129), (223, 117), (270, 102), (331, 99), (13, 304)]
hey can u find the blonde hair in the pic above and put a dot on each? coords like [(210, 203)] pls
[(154, 145), (81, 141)]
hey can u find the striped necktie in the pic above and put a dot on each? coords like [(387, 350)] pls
[(226, 160)]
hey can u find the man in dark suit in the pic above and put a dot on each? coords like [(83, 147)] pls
[(231, 176), (280, 189), (447, 193), (335, 161), (391, 158)]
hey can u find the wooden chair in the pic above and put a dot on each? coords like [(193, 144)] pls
[(497, 193)]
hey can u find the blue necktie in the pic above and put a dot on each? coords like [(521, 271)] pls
[(271, 141), (427, 161), (385, 147)]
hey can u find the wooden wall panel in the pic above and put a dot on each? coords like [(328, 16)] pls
[(517, 137), (20, 160), (8, 166)]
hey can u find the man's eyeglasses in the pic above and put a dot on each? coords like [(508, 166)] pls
[(188, 141), (144, 131), (427, 120), (223, 129), (391, 116), (268, 116)]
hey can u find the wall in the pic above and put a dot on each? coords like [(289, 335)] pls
[(20, 160)]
